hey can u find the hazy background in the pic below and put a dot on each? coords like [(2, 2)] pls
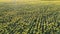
[(26, 0), (32, 1)]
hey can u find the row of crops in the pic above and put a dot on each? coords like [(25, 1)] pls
[(29, 19)]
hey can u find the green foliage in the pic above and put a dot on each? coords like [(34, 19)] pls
[(29, 19)]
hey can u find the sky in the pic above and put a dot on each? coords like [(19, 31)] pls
[(20, 0), (26, 1), (16, 0)]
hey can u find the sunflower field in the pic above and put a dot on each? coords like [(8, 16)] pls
[(29, 19)]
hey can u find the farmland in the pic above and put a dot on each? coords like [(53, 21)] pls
[(29, 18)]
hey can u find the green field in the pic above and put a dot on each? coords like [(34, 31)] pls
[(29, 18)]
